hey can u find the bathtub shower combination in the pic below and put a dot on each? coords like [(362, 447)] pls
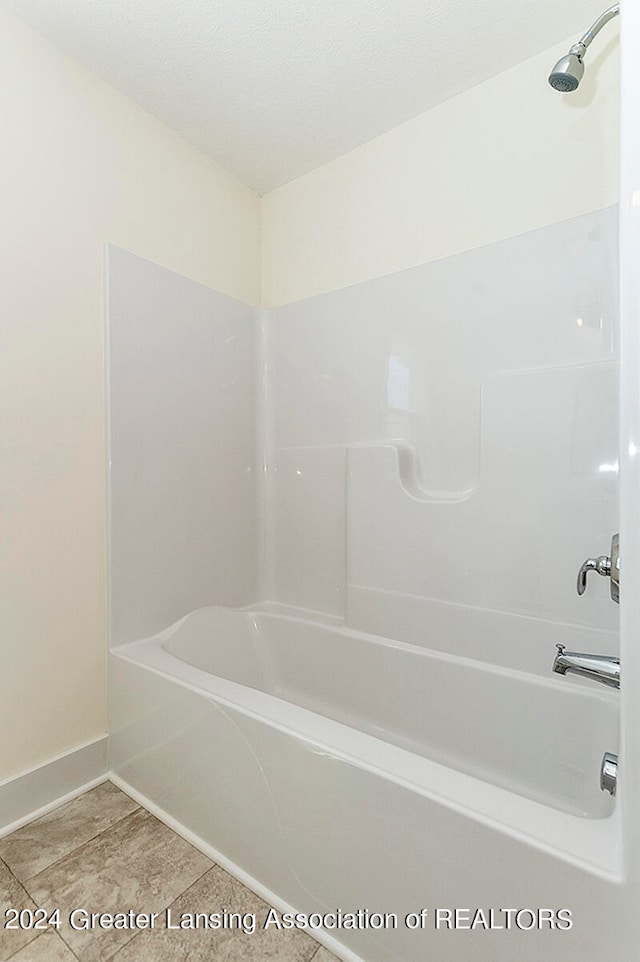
[(410, 472), (412, 739)]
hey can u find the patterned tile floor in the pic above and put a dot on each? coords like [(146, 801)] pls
[(102, 852)]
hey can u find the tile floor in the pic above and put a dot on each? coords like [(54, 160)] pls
[(102, 852)]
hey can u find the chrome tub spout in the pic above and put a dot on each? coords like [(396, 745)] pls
[(602, 668)]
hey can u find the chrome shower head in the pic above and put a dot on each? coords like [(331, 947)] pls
[(567, 73)]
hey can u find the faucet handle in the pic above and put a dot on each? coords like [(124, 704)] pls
[(601, 564), (608, 567)]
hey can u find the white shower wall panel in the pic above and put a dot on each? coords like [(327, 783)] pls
[(497, 368), (309, 520), (407, 354), (182, 427), (514, 542)]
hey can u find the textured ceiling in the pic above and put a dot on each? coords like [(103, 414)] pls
[(273, 88)]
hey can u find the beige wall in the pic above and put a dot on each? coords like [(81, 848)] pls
[(80, 164), (505, 157)]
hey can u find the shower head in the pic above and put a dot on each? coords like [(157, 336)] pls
[(567, 73)]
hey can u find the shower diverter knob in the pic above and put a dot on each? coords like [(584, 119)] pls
[(608, 567)]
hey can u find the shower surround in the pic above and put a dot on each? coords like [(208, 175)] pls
[(397, 482)]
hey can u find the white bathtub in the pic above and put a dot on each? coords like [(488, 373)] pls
[(541, 738), (334, 769)]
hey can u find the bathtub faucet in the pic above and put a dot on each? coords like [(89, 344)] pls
[(602, 668)]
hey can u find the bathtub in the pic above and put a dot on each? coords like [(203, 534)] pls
[(332, 769)]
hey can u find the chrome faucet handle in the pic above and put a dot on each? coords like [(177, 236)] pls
[(601, 564), (615, 568), (608, 567)]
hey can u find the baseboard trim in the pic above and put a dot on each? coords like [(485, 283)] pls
[(38, 791), (322, 937)]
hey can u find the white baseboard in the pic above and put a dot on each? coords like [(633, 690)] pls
[(34, 793), (270, 897)]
